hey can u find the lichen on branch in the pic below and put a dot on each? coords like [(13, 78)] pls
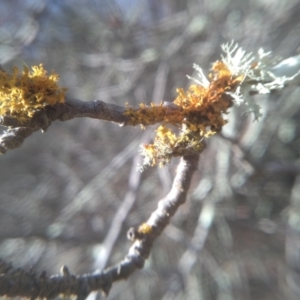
[(22, 93), (201, 110), (200, 114), (32, 100)]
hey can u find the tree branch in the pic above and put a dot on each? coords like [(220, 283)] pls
[(18, 130), (17, 282)]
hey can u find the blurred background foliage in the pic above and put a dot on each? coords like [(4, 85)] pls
[(68, 196)]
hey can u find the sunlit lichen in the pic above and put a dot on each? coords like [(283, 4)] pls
[(199, 114), (200, 111), (145, 229), (24, 93)]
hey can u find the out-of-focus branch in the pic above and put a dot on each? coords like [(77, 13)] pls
[(17, 282), (120, 215)]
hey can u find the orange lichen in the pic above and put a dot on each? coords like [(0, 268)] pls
[(153, 114), (145, 229), (24, 93), (200, 113)]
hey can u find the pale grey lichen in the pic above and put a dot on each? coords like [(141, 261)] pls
[(236, 59), (262, 73), (203, 81)]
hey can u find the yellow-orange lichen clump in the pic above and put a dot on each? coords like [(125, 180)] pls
[(24, 93), (200, 113)]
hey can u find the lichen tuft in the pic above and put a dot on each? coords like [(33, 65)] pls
[(22, 93)]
